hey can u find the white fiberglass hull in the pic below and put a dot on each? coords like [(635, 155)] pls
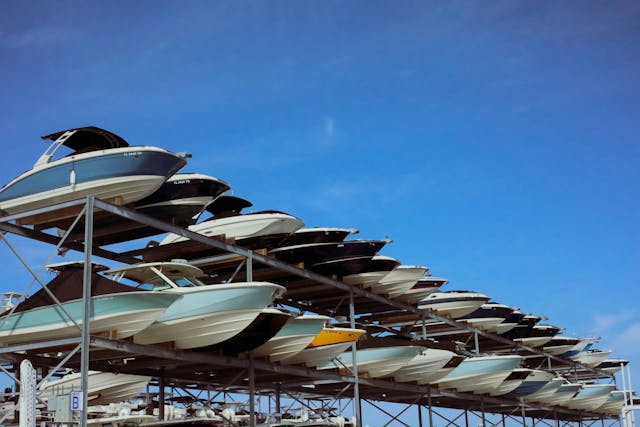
[(376, 362), (507, 386), (104, 387), (480, 374), (591, 396), (561, 396), (399, 280), (119, 315), (454, 309), (488, 324), (425, 367), (365, 280), (243, 226), (314, 356), (294, 337), (591, 358), (546, 392), (533, 341), (208, 315), (501, 328)]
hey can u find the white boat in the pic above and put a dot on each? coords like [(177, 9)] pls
[(512, 382), (546, 391), (376, 362), (320, 351), (611, 366), (614, 403), (583, 345), (562, 394), (453, 304), (480, 374), (102, 164), (591, 396), (399, 280), (227, 222), (534, 382), (104, 387), (379, 266), (592, 357), (206, 314), (420, 290), (560, 345), (426, 367), (488, 317), (294, 337), (538, 336), (118, 310)]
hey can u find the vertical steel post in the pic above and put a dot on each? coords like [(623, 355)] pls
[(632, 414), (466, 418), (504, 424), (161, 396), (250, 266), (524, 414), (354, 363), (86, 308), (278, 386), (419, 415), (484, 420), (252, 392), (430, 409)]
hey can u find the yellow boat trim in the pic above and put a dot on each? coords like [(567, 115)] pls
[(330, 336)]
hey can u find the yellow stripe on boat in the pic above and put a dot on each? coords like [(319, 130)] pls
[(330, 336)]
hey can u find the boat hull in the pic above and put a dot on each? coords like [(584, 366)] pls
[(126, 174), (104, 387), (123, 315), (591, 396), (424, 367), (294, 337), (398, 281), (376, 362), (243, 227), (480, 373), (208, 315)]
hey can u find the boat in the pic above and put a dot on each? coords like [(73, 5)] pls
[(117, 310), (264, 327), (378, 267), (101, 164), (179, 201), (583, 345), (591, 396), (538, 336), (327, 345), (399, 280), (480, 374), (315, 253), (420, 290), (261, 229), (511, 322), (454, 304), (524, 326), (614, 403), (104, 387), (512, 382), (611, 366), (376, 362), (591, 357), (206, 314), (317, 235), (535, 381), (294, 337), (562, 394), (546, 391), (429, 366), (488, 316), (560, 344)]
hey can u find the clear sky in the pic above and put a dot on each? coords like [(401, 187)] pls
[(495, 142)]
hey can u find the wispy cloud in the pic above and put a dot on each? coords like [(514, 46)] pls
[(329, 127), (604, 322), (38, 37)]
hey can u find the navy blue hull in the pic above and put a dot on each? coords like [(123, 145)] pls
[(131, 163)]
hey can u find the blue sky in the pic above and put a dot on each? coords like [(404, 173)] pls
[(495, 142)]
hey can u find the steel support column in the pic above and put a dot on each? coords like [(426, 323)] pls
[(86, 308), (354, 362), (252, 393)]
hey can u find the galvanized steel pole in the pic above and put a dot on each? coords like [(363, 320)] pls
[(354, 364), (86, 308)]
